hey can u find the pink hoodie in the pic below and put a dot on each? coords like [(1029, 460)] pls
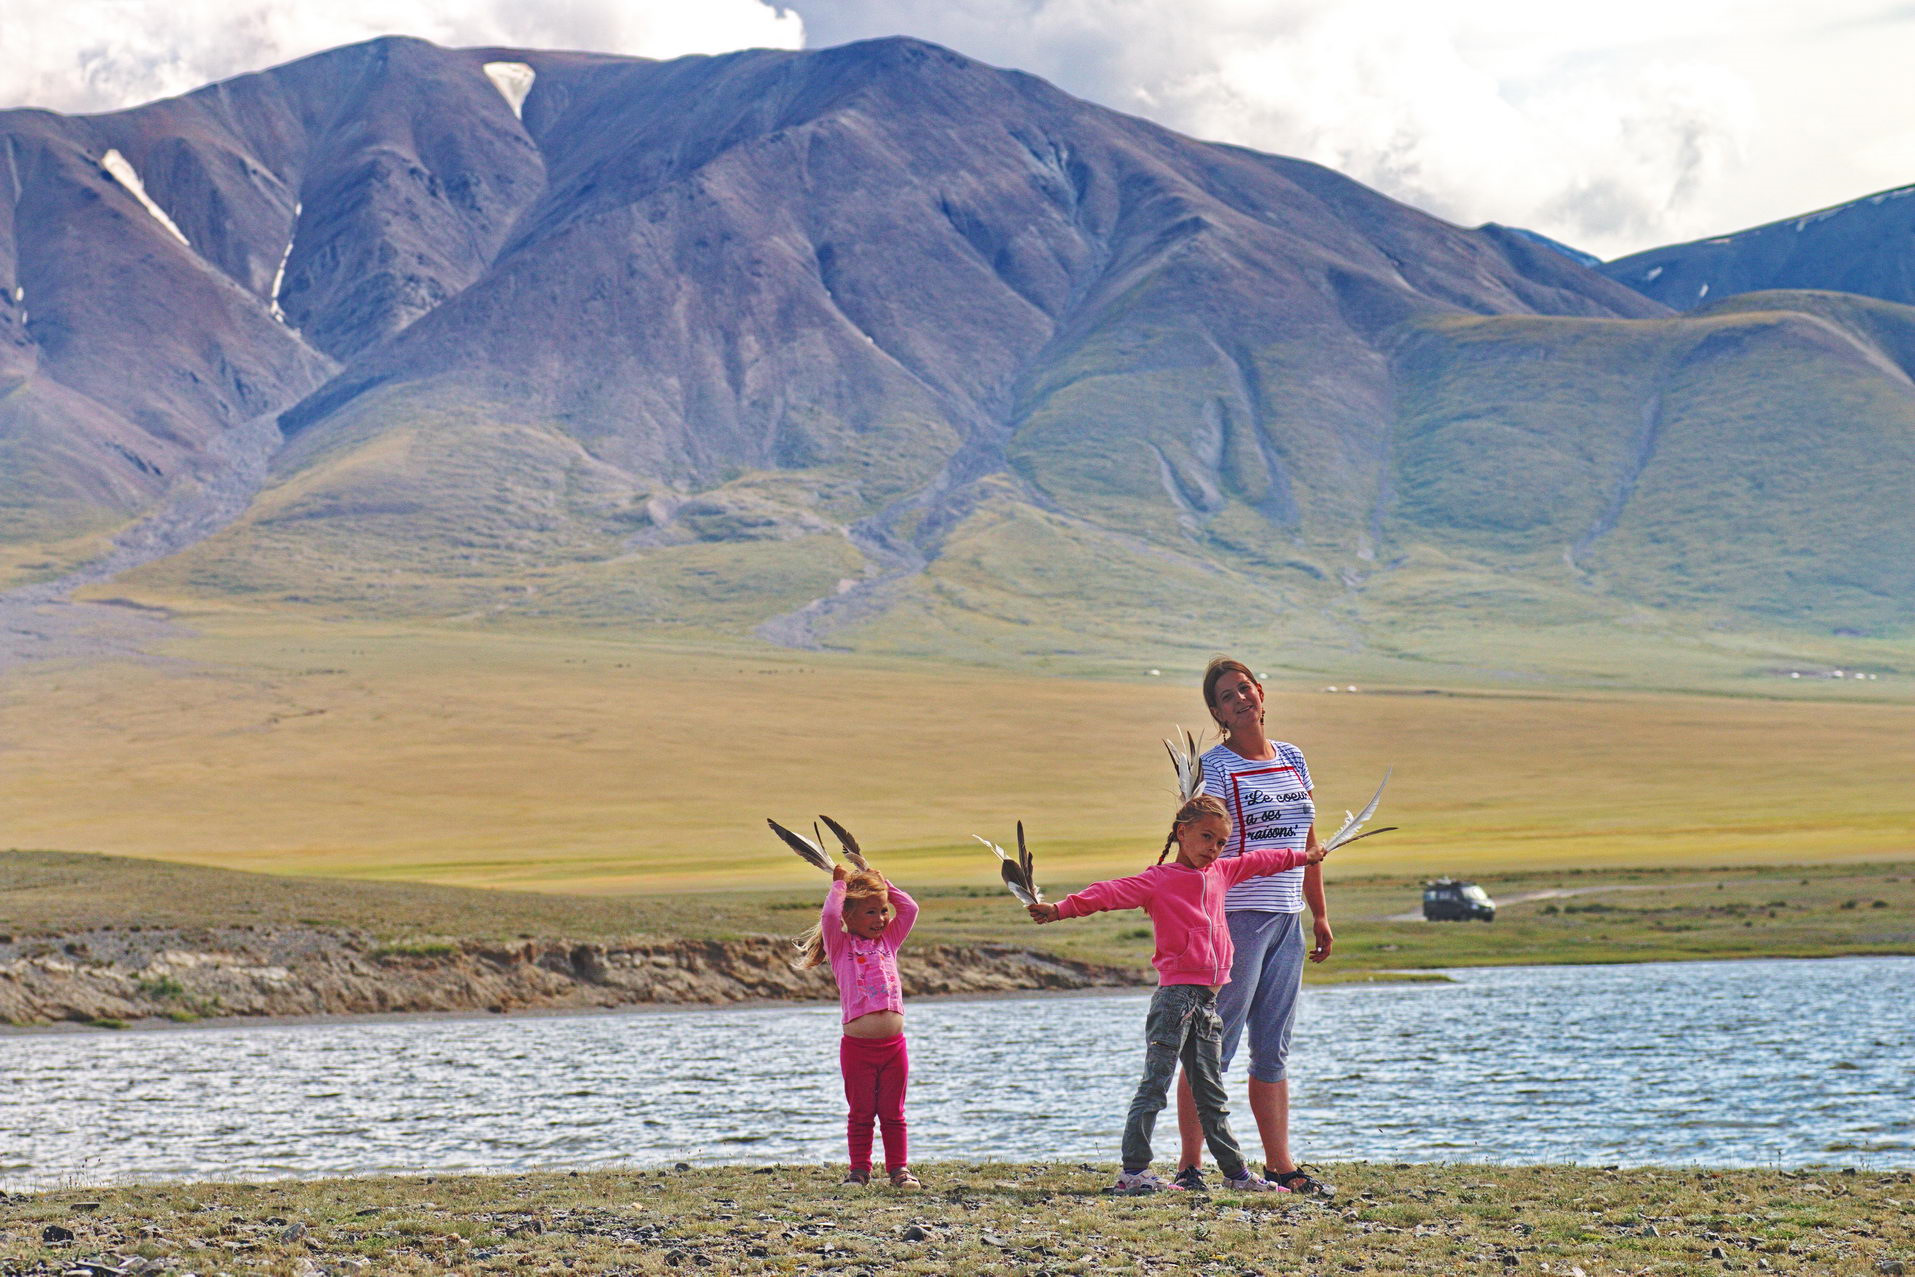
[(1186, 909), (867, 970)]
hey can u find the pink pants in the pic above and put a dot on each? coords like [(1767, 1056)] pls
[(876, 1071)]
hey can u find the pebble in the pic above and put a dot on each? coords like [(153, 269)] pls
[(54, 1233), (1890, 1267), (293, 1232), (916, 1234)]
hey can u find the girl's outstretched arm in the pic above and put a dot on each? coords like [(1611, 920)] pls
[(1255, 864), (1133, 892), (906, 913), (831, 918)]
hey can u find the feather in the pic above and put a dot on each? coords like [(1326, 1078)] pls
[(1016, 884), (1188, 764), (1016, 871), (809, 850), (1027, 868), (1349, 834), (845, 840)]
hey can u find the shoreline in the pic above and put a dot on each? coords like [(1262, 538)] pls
[(157, 1024), (110, 943)]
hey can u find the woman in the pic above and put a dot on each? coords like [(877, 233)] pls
[(1265, 784)]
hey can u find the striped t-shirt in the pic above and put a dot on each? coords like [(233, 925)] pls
[(1270, 806)]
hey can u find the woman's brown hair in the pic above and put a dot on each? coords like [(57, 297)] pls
[(1196, 809), (865, 884), (1213, 674)]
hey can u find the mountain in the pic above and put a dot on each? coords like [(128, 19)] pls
[(881, 347), (1859, 247), (1576, 255)]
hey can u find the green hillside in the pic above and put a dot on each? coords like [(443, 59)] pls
[(1575, 495)]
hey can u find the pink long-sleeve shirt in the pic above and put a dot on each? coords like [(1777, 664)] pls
[(867, 970), (1186, 910)]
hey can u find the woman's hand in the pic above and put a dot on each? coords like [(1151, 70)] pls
[(1325, 938), (1042, 912)]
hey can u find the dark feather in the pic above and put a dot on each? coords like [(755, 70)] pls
[(1371, 834), (1016, 870), (1015, 881), (811, 852), (845, 840)]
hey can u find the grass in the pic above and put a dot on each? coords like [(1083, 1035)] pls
[(1601, 916), (557, 762), (1024, 1219)]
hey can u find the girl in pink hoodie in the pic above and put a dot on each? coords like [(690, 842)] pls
[(864, 922), (1185, 902)]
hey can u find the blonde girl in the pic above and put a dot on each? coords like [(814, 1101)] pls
[(863, 924)]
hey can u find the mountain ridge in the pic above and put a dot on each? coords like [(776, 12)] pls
[(878, 346)]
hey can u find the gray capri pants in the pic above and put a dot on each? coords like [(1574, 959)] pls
[(1265, 978)]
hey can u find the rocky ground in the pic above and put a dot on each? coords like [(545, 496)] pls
[(112, 976), (1038, 1219)]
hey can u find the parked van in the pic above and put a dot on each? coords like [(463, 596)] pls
[(1447, 900)]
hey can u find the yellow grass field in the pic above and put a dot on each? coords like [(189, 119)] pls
[(563, 763)]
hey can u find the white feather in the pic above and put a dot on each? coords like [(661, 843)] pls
[(1353, 823)]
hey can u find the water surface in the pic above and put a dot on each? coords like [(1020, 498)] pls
[(1767, 1063)]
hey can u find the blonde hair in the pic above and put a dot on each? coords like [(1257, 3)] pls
[(865, 884), (1195, 809)]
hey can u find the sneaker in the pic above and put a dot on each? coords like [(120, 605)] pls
[(1251, 1182), (1138, 1183), (1190, 1179), (1300, 1181)]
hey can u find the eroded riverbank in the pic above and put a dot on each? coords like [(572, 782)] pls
[(116, 976)]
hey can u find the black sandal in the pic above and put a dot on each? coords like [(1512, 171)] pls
[(1300, 1181)]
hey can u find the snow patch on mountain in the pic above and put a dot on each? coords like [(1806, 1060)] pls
[(124, 173), (513, 80)]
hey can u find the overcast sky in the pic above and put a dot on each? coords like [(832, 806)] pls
[(1613, 126)]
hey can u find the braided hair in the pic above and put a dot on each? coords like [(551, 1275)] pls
[(1194, 809)]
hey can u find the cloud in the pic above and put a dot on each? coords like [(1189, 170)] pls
[(1612, 127), (97, 55), (1608, 128)]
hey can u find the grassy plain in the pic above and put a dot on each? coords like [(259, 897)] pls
[(1030, 1219), (1545, 917), (556, 762)]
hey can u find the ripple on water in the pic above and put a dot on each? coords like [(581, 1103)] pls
[(1577, 1064)]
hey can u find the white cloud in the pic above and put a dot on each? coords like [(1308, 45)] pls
[(96, 55), (1612, 126)]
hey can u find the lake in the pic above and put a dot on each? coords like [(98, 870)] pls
[(1763, 1063)]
